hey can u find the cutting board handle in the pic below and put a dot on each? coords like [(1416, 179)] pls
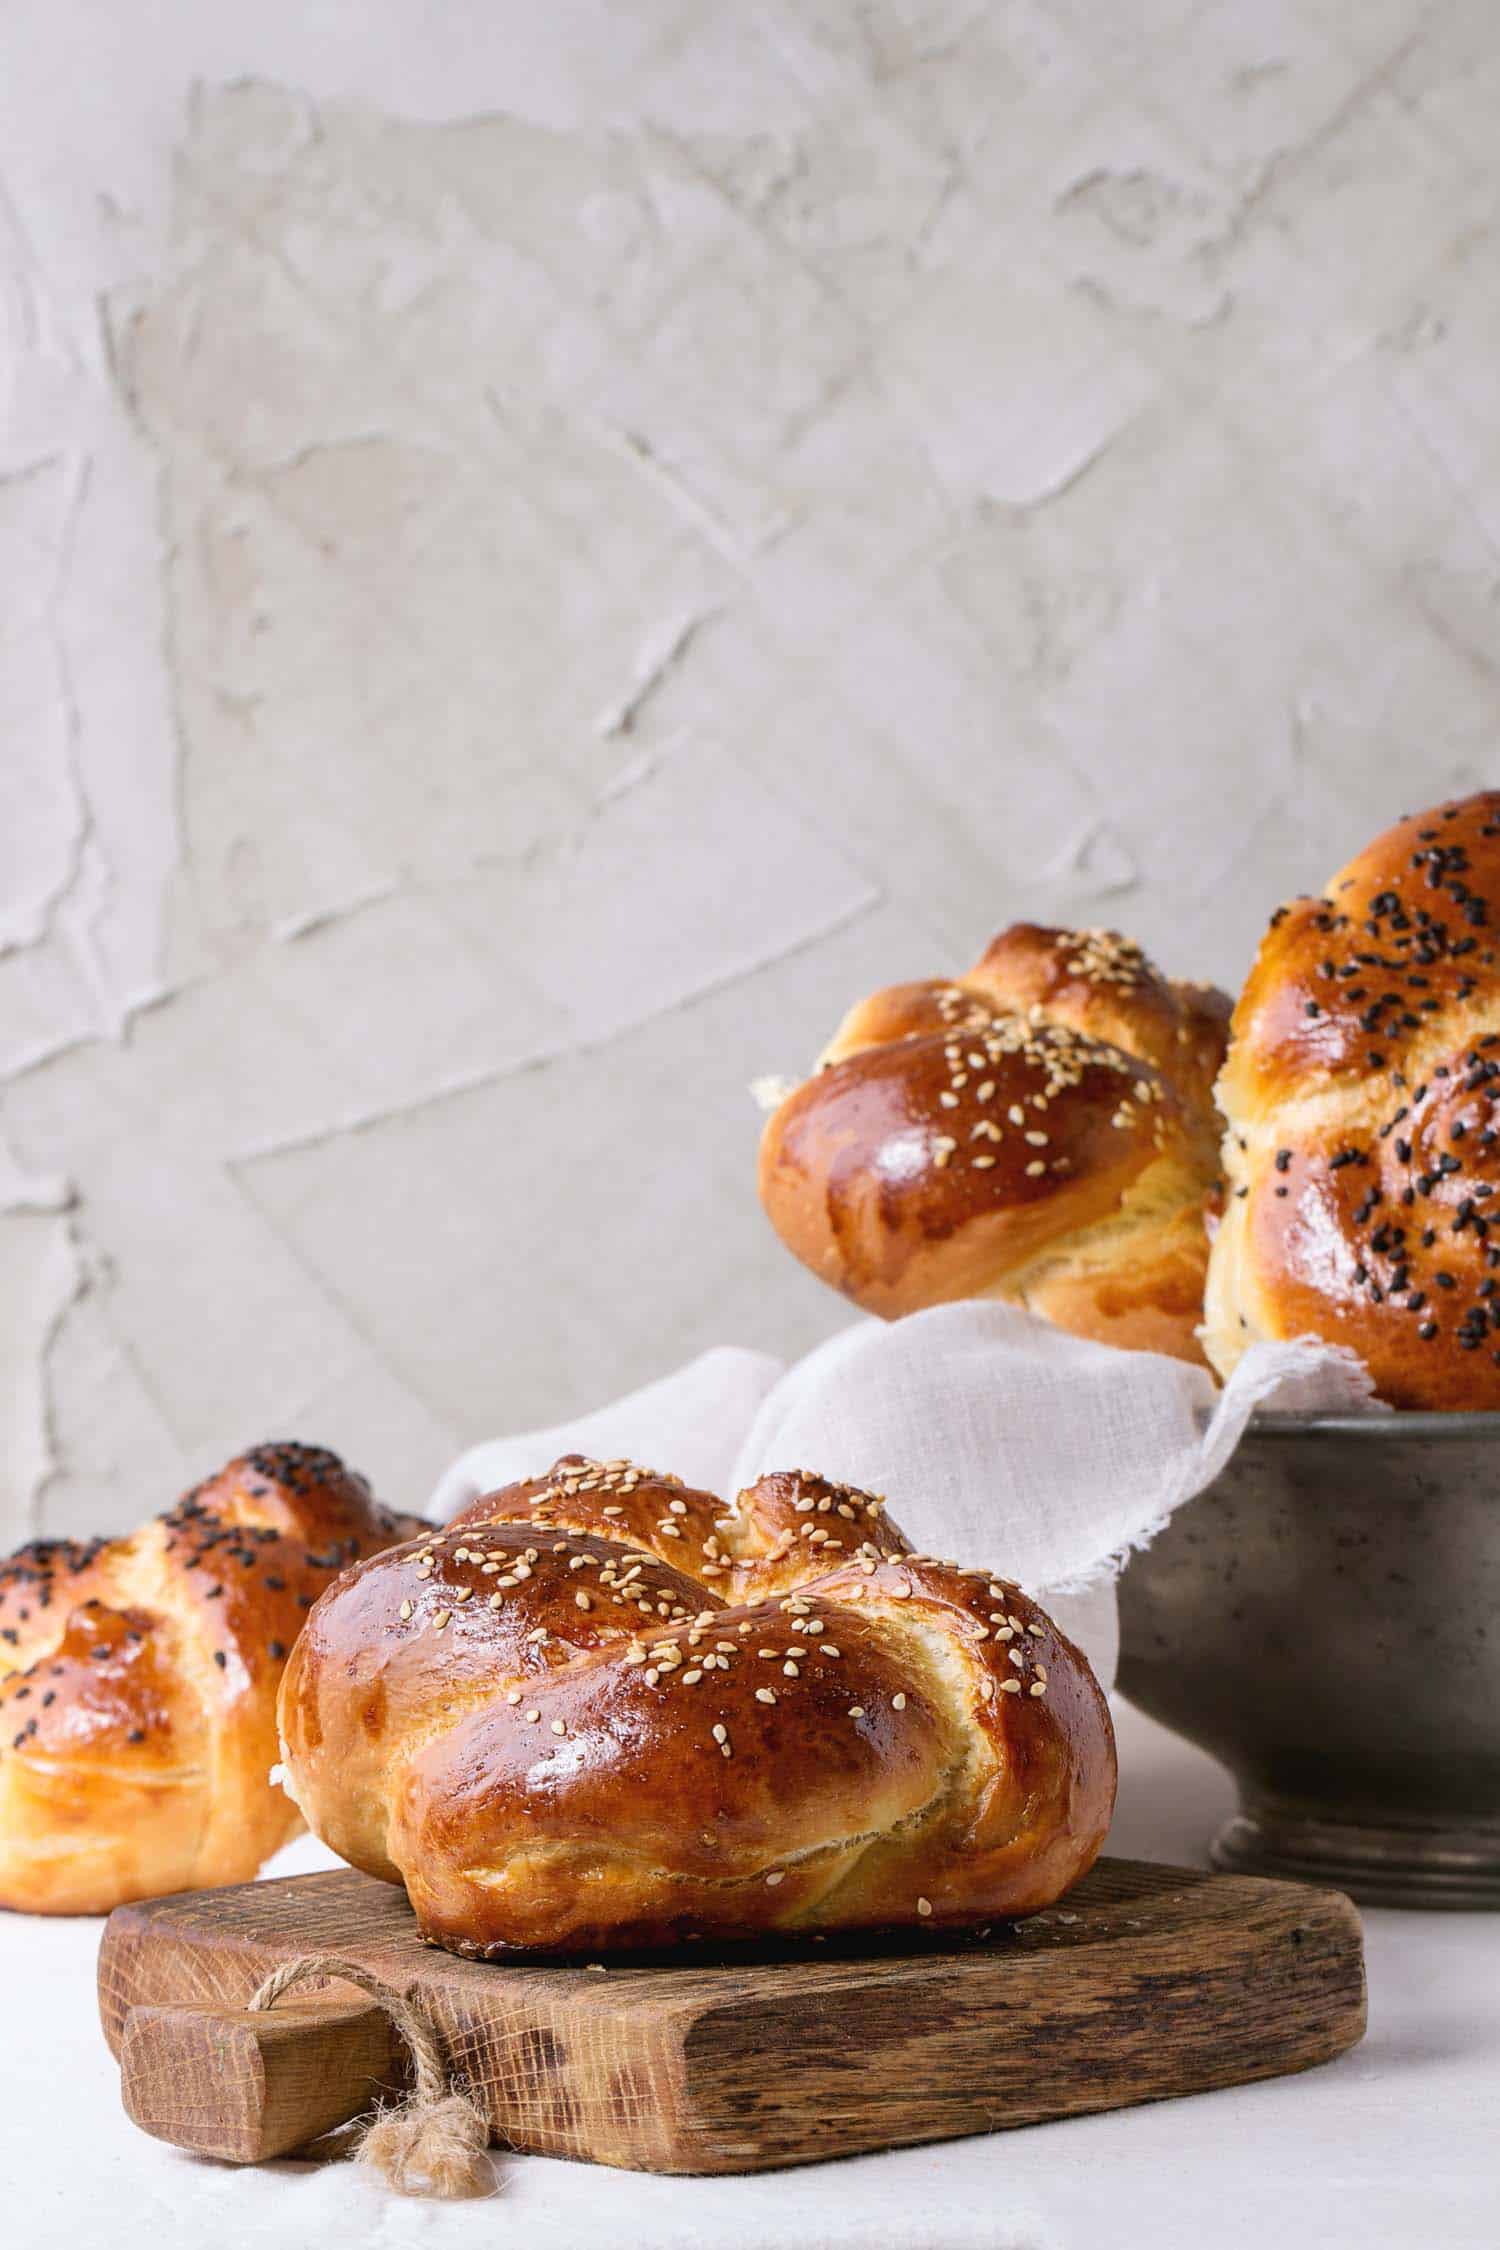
[(246, 2084)]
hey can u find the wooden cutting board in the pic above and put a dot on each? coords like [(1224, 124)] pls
[(1143, 1983)]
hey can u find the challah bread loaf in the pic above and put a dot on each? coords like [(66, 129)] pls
[(1362, 1093), (601, 1713), (1040, 1130), (138, 1682)]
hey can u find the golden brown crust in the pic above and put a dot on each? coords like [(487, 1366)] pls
[(138, 1683), (1105, 986), (608, 1753), (1040, 1130), (1360, 1092), (798, 1515)]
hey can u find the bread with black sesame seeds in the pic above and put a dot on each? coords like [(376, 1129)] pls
[(1040, 1130), (138, 1681), (1362, 1093), (602, 1712)]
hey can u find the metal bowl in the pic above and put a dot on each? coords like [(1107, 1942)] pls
[(1325, 1620)]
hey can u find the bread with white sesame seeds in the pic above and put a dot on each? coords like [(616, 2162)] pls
[(138, 1681), (602, 1712), (1040, 1130), (1362, 1093)]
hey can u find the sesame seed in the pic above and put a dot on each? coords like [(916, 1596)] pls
[(924, 1907), (777, 1876), (898, 1702), (558, 1727), (513, 1695), (440, 1619), (765, 1695), (856, 1710)]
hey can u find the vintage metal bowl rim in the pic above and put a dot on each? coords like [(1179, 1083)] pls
[(1478, 1423)]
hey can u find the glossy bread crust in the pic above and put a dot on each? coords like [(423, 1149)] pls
[(1040, 1130), (138, 1683), (1362, 1094), (600, 1713)]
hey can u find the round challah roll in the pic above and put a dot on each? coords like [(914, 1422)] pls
[(1362, 1186), (1041, 1130), (599, 1712), (138, 1683)]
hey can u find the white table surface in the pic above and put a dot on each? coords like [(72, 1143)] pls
[(1397, 2143)]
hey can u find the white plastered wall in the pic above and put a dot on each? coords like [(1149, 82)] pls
[(543, 550)]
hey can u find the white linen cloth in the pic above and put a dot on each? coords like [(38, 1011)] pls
[(1392, 2147), (1000, 1441)]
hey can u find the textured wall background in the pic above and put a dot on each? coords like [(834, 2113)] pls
[(543, 550)]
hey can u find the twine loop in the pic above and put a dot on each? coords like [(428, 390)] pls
[(433, 2142)]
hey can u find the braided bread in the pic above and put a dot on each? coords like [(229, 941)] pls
[(601, 1713), (1362, 1092), (1041, 1130), (138, 1683)]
